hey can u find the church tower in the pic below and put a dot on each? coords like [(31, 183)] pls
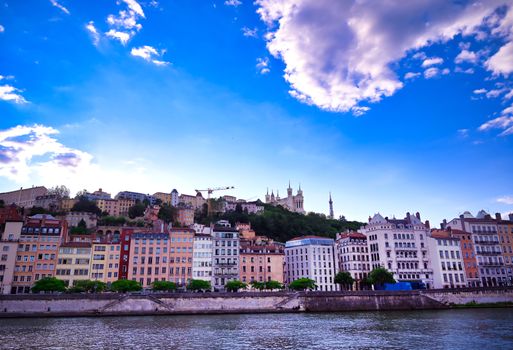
[(331, 208), (267, 197)]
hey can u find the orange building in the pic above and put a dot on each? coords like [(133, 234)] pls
[(149, 255), (261, 263), (469, 258), (10, 236), (185, 216), (37, 251), (180, 255)]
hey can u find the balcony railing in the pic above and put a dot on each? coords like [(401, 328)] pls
[(490, 264), (488, 253), (486, 242)]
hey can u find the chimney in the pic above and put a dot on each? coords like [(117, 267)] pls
[(417, 215), (426, 223), (510, 217), (488, 217), (498, 216), (443, 225), (462, 217), (386, 218)]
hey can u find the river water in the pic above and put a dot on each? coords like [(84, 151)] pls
[(446, 329)]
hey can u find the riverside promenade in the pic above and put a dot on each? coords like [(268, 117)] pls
[(114, 304)]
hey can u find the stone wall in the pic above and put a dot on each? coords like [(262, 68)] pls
[(109, 304)]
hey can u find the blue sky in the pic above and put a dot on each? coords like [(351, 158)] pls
[(391, 107)]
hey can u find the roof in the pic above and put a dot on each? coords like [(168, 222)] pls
[(76, 245), (357, 235), (305, 237), (442, 234)]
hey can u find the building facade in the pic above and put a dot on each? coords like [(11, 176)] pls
[(23, 198), (447, 260), (294, 203), (73, 262), (311, 257), (149, 254), (181, 255), (469, 257), (261, 262), (73, 218), (505, 230), (9, 240), (400, 246), (105, 262), (202, 257), (225, 257), (352, 255), (185, 216)]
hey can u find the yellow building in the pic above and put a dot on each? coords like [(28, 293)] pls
[(105, 262), (164, 197), (67, 204), (73, 262)]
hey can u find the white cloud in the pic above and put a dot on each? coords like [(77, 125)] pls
[(149, 54), (504, 122), (419, 56), (480, 91), (502, 61), (466, 71), (121, 36), (125, 20), (263, 65), (509, 95), (2, 29), (445, 71), (234, 3), (59, 6), (466, 56), (411, 75), (135, 7), (94, 32), (495, 93), (432, 61), (338, 54), (10, 93), (27, 149), (431, 72), (249, 32), (505, 200), (463, 133)]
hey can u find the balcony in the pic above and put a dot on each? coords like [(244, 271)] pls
[(490, 264), (406, 248), (479, 232), (231, 264), (488, 253)]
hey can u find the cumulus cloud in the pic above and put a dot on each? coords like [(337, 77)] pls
[(149, 54), (2, 29), (59, 6), (28, 149), (505, 200), (504, 122), (121, 36), (11, 93), (502, 61), (466, 56), (249, 32), (340, 54), (480, 91), (263, 65), (466, 71), (411, 75), (431, 72), (93, 32), (432, 61), (234, 3), (135, 7)]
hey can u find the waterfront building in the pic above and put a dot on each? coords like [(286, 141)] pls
[(149, 254), (10, 236), (74, 217), (505, 230), (311, 257), (202, 257), (105, 261), (400, 246), (487, 247), (23, 198), (73, 262), (294, 203), (469, 257), (261, 261), (37, 251), (225, 257), (185, 216), (447, 260), (181, 255), (352, 255)]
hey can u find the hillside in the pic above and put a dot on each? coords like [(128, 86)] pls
[(282, 225)]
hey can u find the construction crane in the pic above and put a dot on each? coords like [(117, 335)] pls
[(210, 191)]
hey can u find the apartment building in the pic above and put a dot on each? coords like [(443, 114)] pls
[(352, 255), (10, 237), (73, 262), (447, 260), (225, 257)]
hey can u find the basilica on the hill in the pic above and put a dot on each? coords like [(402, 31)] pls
[(291, 202)]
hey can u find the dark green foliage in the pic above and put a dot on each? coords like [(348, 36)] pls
[(345, 279), (167, 213), (112, 221), (302, 284), (198, 285), (88, 286), (379, 276), (123, 286), (258, 285), (78, 231), (273, 285), (282, 225), (49, 284), (136, 210), (234, 286), (164, 286), (86, 205)]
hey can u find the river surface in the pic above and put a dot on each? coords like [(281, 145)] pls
[(446, 329)]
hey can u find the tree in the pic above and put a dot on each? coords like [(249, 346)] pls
[(136, 210), (167, 213), (198, 286), (258, 285), (302, 284), (2, 203), (234, 286), (379, 276), (272, 285), (166, 286), (59, 191), (123, 286), (88, 286), (345, 279), (49, 284), (38, 210), (85, 205)]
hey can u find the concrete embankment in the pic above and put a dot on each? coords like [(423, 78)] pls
[(111, 304)]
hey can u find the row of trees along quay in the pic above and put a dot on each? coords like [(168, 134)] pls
[(377, 277)]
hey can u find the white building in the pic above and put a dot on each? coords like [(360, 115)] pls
[(74, 217), (174, 197), (250, 207), (400, 246), (202, 257), (225, 255), (311, 257), (352, 255), (447, 260)]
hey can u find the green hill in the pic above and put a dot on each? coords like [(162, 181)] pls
[(282, 225)]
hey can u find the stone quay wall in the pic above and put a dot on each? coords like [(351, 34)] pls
[(113, 304)]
